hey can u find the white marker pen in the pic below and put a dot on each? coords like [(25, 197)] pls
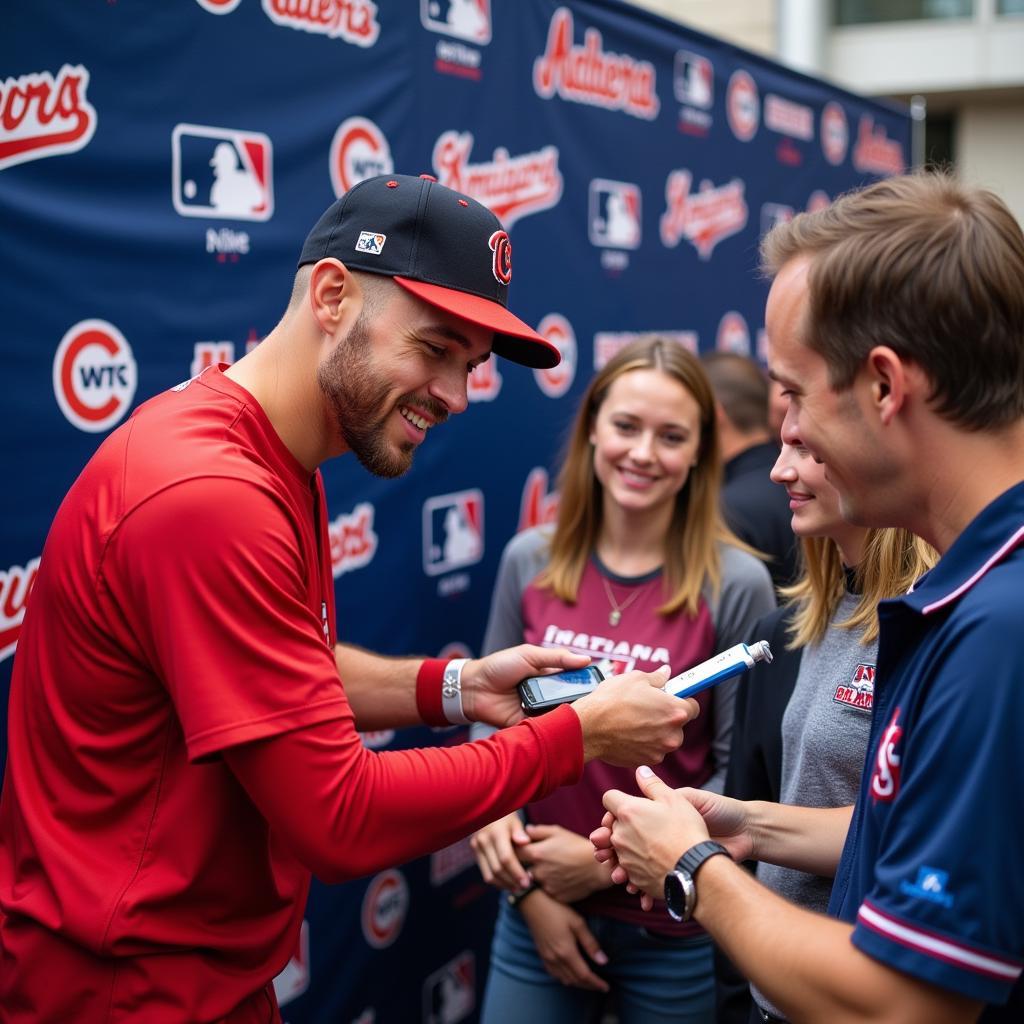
[(722, 666)]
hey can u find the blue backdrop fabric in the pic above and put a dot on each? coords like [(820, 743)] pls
[(160, 164)]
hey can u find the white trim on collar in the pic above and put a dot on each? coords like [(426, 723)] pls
[(968, 583)]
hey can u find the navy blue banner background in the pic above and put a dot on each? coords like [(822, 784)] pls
[(160, 165)]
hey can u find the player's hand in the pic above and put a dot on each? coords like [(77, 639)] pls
[(564, 942), (630, 720), (489, 684), (495, 848), (563, 862)]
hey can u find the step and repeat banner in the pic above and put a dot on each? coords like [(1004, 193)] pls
[(160, 165)]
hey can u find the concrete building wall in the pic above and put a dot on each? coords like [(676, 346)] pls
[(748, 23)]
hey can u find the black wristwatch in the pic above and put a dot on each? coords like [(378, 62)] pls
[(680, 890)]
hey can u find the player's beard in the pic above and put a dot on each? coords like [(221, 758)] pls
[(359, 399)]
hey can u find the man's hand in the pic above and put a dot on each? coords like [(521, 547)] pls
[(563, 862), (644, 836), (630, 720), (562, 938), (496, 855), (489, 684)]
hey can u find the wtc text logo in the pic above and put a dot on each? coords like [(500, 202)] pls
[(94, 375)]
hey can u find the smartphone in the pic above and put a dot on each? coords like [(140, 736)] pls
[(542, 693)]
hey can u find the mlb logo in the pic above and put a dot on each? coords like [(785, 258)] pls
[(469, 20), (370, 242), (222, 173), (449, 994), (694, 80), (453, 531), (614, 214), (775, 213)]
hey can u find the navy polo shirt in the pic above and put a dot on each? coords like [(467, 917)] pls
[(932, 874)]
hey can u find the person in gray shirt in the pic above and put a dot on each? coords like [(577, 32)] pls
[(802, 725)]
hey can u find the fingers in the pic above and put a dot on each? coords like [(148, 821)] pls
[(650, 785), (602, 837), (495, 856), (615, 800), (589, 944), (659, 676)]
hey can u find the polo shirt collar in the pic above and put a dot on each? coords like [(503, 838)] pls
[(988, 538)]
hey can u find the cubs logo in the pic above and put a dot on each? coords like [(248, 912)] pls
[(556, 381), (453, 531), (885, 776), (94, 375), (221, 172), (468, 20), (15, 587), (733, 334), (385, 905), (218, 6), (501, 262), (742, 105), (835, 133), (45, 116), (860, 691), (359, 150), (614, 214)]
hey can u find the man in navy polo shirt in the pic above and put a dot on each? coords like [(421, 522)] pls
[(896, 325)]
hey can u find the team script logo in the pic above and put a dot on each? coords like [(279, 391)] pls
[(885, 778), (705, 217), (44, 116), (874, 152), (509, 186), (355, 21), (538, 505), (588, 74), (860, 691), (15, 586), (353, 540)]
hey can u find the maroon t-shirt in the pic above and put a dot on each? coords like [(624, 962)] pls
[(642, 640)]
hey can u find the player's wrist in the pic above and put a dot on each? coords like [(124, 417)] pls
[(439, 691)]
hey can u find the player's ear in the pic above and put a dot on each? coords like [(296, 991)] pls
[(335, 296)]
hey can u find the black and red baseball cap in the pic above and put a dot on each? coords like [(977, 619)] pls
[(443, 247)]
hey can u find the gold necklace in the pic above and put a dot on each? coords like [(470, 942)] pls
[(615, 615)]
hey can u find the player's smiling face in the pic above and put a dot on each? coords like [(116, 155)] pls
[(401, 370)]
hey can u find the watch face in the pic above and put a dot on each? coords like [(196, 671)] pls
[(679, 895)]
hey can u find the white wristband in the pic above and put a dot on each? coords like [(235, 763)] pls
[(451, 692)]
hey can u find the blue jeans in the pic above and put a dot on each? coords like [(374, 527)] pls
[(654, 979)]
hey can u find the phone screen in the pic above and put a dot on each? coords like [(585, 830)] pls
[(559, 688)]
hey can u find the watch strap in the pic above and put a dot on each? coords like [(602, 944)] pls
[(695, 856)]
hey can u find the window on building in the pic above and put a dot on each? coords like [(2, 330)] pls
[(1010, 7), (939, 141), (863, 12)]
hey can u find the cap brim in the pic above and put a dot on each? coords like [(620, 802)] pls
[(513, 339)]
